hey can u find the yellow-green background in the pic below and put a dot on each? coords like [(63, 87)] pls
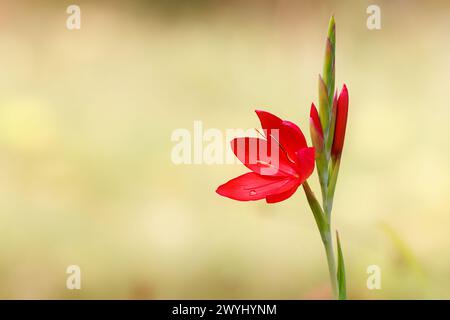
[(86, 176)]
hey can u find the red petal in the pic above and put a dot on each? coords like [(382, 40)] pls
[(305, 163), (341, 123), (263, 157), (290, 136), (314, 116), (283, 195), (268, 120), (252, 186)]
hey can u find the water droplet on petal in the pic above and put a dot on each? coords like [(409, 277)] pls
[(252, 192)]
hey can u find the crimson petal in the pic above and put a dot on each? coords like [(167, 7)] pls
[(290, 136), (263, 157), (305, 163), (252, 186), (274, 198)]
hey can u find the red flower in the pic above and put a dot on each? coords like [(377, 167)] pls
[(279, 164), (341, 123)]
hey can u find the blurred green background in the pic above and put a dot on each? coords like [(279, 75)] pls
[(86, 176)]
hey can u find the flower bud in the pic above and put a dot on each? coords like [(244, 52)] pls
[(341, 123), (324, 110), (315, 128)]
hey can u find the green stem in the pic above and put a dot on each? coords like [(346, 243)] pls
[(328, 244), (323, 225)]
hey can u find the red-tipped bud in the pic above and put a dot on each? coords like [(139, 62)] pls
[(335, 101), (341, 123), (315, 128)]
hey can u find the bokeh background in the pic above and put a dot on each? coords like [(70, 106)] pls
[(86, 176)]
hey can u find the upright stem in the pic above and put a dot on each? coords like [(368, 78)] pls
[(328, 244), (323, 224), (327, 165)]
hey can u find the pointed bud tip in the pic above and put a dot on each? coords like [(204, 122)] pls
[(314, 121), (313, 110), (343, 96), (321, 81), (332, 29), (344, 88)]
